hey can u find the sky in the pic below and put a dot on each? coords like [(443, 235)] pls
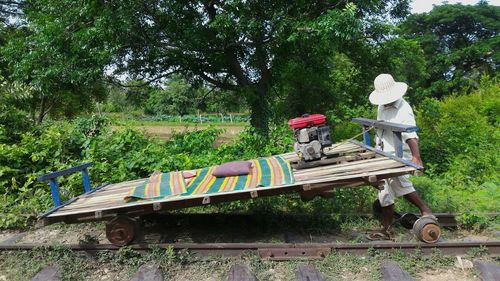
[(424, 6)]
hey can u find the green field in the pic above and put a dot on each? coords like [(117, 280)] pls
[(164, 130)]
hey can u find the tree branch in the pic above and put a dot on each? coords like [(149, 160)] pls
[(146, 83), (221, 84)]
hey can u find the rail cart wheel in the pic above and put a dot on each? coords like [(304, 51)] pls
[(427, 230), (121, 230), (408, 220)]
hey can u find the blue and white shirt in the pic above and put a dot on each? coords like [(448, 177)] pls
[(402, 113)]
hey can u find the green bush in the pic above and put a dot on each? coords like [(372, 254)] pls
[(117, 156), (472, 222), (462, 125), (459, 137)]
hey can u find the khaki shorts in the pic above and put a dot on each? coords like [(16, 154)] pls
[(393, 188)]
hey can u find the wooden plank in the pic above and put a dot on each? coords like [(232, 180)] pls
[(112, 197), (325, 173), (117, 189), (118, 194), (345, 172), (49, 273), (489, 271), (367, 165), (347, 166), (333, 179), (391, 271), (342, 165), (358, 166), (308, 272), (117, 199), (148, 272), (240, 272), (102, 202), (392, 172)]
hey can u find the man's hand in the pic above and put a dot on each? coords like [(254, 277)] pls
[(415, 152), (417, 160)]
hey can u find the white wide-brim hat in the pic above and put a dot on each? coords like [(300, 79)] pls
[(387, 90)]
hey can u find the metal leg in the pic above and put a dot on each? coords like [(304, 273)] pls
[(366, 135), (86, 181), (54, 189), (398, 144)]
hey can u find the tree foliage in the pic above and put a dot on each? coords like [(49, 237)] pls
[(460, 42), (231, 45)]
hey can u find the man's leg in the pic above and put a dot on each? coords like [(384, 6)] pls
[(386, 199), (387, 217), (402, 186), (419, 203)]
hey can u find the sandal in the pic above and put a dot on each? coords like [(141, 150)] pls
[(378, 236)]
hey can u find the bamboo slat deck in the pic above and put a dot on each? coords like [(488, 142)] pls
[(357, 165)]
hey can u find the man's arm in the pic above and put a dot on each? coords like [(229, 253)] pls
[(415, 151)]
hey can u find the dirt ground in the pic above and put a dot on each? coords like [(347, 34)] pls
[(454, 274)]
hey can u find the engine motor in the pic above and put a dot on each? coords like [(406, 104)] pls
[(311, 135)]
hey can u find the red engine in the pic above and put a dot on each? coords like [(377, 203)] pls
[(311, 135), (307, 120)]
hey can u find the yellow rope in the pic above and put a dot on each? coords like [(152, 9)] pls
[(350, 139)]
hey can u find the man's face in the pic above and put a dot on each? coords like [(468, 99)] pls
[(389, 104)]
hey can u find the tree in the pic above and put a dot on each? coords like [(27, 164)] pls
[(460, 42), (231, 45), (62, 71), (178, 98), (405, 59)]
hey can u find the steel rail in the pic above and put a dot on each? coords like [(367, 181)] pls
[(285, 251)]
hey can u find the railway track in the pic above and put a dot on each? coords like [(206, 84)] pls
[(279, 251), (290, 249), (285, 251)]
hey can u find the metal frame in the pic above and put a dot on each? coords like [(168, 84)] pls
[(70, 201), (395, 128), (404, 161), (54, 187)]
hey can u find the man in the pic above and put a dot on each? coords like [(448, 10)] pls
[(388, 95)]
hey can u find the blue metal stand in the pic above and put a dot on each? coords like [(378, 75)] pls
[(395, 128), (366, 135), (52, 178), (54, 189)]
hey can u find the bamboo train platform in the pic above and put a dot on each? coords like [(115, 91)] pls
[(351, 164), (357, 165)]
